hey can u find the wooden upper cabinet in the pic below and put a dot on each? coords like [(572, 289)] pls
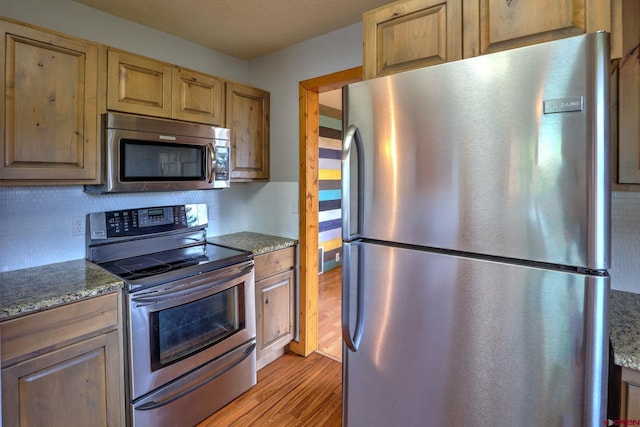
[(411, 34), (248, 119), (49, 109), (625, 91), (495, 25), (138, 85), (197, 97), (141, 85)]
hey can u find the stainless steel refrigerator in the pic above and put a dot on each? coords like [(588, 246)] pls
[(476, 223)]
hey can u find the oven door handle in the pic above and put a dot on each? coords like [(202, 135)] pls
[(169, 293), (186, 384)]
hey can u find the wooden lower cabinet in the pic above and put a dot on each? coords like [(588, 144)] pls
[(630, 395), (275, 292), (63, 366)]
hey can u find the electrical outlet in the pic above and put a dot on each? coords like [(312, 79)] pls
[(337, 256), (77, 226)]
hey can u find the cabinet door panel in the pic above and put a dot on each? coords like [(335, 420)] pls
[(494, 25), (76, 385), (138, 85), (628, 131), (630, 394), (248, 119), (411, 34), (197, 97), (274, 302), (49, 106)]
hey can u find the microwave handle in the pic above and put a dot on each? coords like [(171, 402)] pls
[(211, 166)]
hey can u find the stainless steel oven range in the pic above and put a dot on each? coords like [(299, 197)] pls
[(189, 311)]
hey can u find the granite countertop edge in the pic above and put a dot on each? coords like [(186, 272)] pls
[(38, 288), (256, 243), (624, 323)]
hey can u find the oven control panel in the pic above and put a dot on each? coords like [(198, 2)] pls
[(137, 222)]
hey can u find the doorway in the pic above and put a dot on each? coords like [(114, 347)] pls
[(309, 119)]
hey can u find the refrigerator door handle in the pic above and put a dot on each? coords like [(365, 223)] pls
[(352, 137), (352, 341)]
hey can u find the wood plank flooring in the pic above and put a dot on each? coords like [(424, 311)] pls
[(295, 390), (291, 391), (329, 308)]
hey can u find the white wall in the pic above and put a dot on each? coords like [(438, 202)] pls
[(625, 241), (275, 204), (282, 71), (69, 17)]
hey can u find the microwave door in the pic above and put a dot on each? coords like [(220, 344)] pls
[(149, 154)]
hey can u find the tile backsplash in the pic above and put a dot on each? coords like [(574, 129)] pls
[(625, 241), (36, 222)]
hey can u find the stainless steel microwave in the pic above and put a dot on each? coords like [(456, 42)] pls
[(151, 154)]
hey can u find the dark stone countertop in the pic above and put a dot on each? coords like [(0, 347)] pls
[(38, 288), (255, 243), (624, 318)]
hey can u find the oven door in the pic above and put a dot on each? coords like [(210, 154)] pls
[(180, 326)]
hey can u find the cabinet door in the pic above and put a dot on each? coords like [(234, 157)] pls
[(248, 119), (78, 385), (197, 97), (494, 25), (630, 395), (411, 34), (139, 85), (628, 97), (274, 302), (49, 108)]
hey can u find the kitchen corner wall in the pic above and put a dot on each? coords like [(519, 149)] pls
[(35, 222)]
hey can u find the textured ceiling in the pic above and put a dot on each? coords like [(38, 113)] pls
[(245, 29)]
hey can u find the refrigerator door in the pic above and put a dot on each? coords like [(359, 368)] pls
[(503, 154), (447, 340)]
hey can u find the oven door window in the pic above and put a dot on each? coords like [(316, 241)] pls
[(157, 161), (181, 331)]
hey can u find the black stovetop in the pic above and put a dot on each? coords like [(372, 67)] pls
[(165, 266)]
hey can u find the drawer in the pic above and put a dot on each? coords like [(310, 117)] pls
[(273, 262), (36, 333)]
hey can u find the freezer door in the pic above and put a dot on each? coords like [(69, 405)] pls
[(459, 341), (503, 154)]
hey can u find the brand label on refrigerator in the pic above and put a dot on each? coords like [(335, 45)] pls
[(563, 105)]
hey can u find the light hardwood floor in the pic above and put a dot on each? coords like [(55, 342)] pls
[(295, 390), (291, 391), (329, 306)]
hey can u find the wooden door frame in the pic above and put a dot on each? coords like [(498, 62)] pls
[(309, 124)]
